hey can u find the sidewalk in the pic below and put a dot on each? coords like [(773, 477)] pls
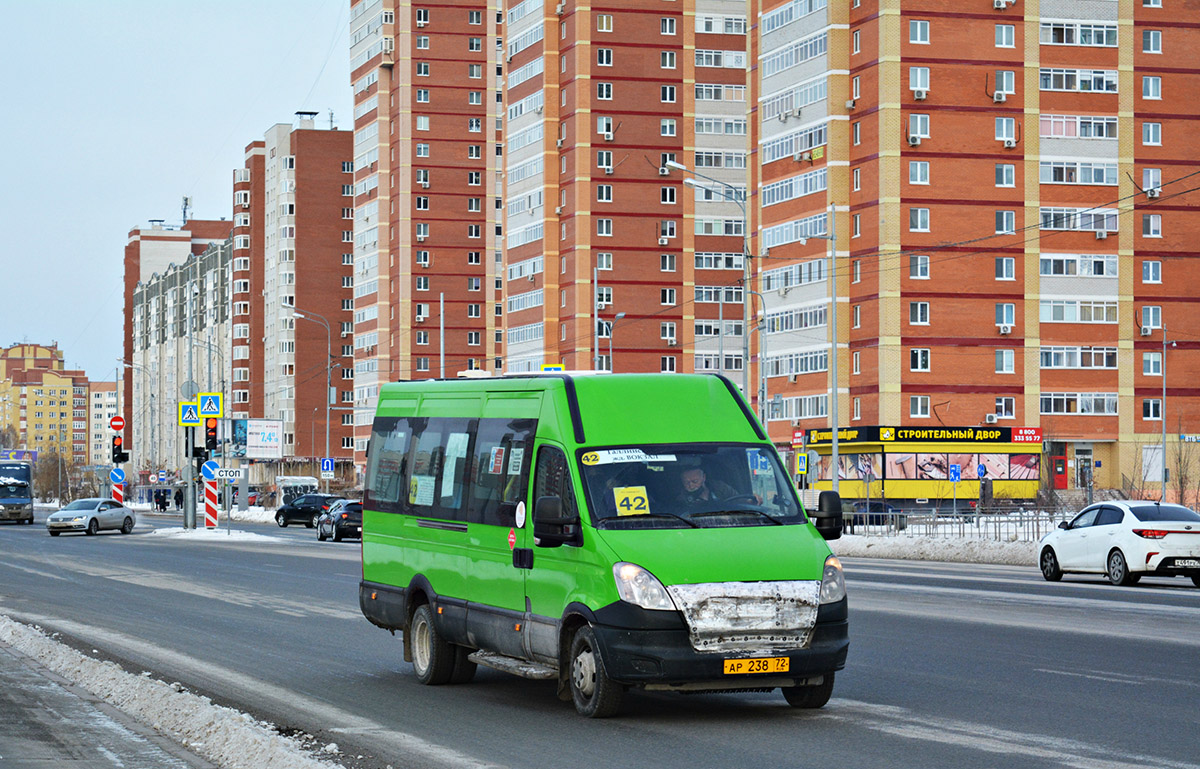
[(45, 721)]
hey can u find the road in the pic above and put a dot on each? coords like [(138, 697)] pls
[(950, 665)]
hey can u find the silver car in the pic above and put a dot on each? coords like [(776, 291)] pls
[(90, 516)]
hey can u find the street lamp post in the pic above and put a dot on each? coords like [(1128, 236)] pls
[(738, 196), (612, 330), (315, 318), (1162, 412), (833, 324)]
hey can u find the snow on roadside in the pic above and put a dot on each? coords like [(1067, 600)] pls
[(203, 534), (954, 550), (227, 737)]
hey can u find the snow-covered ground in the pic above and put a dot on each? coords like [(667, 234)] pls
[(202, 534), (953, 549), (226, 737)]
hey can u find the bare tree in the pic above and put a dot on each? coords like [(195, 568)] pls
[(1134, 484), (9, 437), (1185, 454)]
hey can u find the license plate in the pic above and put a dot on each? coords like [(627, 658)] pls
[(358, 529), (758, 665), (1187, 563)]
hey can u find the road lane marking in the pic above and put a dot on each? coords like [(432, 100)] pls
[(1115, 678), (901, 722)]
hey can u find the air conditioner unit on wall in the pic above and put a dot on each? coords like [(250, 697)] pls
[(1005, 329), (558, 143), (920, 94), (671, 342), (791, 379), (663, 241), (608, 136), (991, 419), (608, 170), (1101, 234), (1147, 331), (914, 141), (1153, 192), (1000, 5), (664, 171), (1010, 143), (560, 8), (999, 97)]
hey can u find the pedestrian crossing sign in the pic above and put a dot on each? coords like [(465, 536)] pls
[(210, 404), (189, 414)]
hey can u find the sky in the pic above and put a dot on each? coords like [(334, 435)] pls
[(118, 109)]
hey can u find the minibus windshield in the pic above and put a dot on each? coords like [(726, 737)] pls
[(687, 486)]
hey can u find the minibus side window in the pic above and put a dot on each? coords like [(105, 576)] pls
[(500, 469), (386, 465), (554, 480), (438, 468)]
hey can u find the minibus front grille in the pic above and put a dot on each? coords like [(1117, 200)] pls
[(748, 617)]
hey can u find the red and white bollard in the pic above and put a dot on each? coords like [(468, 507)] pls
[(210, 504), (118, 492)]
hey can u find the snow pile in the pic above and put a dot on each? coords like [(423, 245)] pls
[(204, 534), (955, 550), (224, 736)]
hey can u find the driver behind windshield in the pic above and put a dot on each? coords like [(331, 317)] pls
[(698, 489)]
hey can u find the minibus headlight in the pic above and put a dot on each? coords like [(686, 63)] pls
[(639, 587), (833, 584)]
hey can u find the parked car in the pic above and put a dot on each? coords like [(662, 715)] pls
[(90, 516), (1124, 540), (305, 509), (344, 519)]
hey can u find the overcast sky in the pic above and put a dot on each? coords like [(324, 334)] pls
[(114, 111)]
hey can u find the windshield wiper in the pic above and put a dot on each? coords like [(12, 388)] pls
[(768, 516), (688, 521)]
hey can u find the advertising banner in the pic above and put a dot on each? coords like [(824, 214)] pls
[(257, 439)]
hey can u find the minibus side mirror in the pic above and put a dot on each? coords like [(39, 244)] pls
[(550, 527), (828, 515)]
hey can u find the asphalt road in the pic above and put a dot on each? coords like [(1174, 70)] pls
[(950, 665)]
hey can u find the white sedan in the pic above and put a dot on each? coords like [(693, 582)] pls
[(90, 516), (1125, 540)]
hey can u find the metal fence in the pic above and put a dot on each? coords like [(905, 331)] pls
[(1009, 526)]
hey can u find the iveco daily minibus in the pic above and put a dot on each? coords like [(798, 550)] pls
[(606, 531)]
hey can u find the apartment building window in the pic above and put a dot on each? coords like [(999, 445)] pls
[(1006, 268), (918, 267), (857, 271), (422, 150), (856, 225), (856, 362), (474, 43), (667, 94), (918, 126), (1006, 314), (1005, 361), (473, 338), (604, 193), (666, 195), (918, 79), (347, 236), (1151, 225), (918, 313), (1151, 87), (1152, 134), (474, 178), (475, 71), (422, 283), (855, 88), (666, 331), (666, 127), (1006, 408), (1152, 316), (666, 26), (1152, 409), (474, 98), (422, 364), (918, 359), (856, 316), (604, 57), (856, 134), (856, 39), (1151, 178), (857, 408), (1151, 271), (666, 263), (347, 190), (474, 312), (1151, 41), (474, 125), (422, 69), (918, 406), (918, 220), (604, 261), (422, 203), (1006, 81), (473, 257), (473, 231), (1006, 222), (1152, 363), (918, 172), (474, 205), (666, 297), (1006, 128), (604, 22), (604, 228), (918, 32), (1006, 36), (474, 17), (422, 42), (1006, 175), (1152, 3), (856, 177), (604, 91)]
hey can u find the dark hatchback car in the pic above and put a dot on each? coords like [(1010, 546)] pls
[(344, 519), (305, 509)]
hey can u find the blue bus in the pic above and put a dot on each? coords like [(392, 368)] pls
[(16, 492)]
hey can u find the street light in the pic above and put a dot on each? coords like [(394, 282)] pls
[(833, 323), (738, 196), (153, 416), (612, 330), (315, 318), (1162, 412)]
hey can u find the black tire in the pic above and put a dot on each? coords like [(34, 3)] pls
[(337, 534), (1196, 580), (321, 534), (93, 527), (55, 533), (281, 520), (29, 520), (809, 697), (433, 658), (594, 693), (1051, 571), (127, 525), (1118, 570), (313, 523), (464, 669)]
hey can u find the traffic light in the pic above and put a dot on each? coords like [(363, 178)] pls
[(210, 433), (119, 454)]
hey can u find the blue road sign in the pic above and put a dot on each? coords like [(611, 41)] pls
[(981, 471), (209, 470), (955, 473), (189, 414), (327, 464), (801, 462), (210, 404), (117, 475)]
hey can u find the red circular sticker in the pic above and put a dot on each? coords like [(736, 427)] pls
[(512, 538)]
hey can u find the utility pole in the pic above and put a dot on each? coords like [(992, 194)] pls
[(189, 488)]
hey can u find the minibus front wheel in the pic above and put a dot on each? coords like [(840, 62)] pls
[(432, 657), (595, 694), (810, 696)]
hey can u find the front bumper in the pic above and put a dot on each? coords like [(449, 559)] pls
[(67, 525), (664, 654), (15, 514)]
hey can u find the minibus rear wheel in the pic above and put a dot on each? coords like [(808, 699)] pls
[(432, 657), (810, 696), (595, 694)]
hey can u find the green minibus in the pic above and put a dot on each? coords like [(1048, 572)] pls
[(604, 531)]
